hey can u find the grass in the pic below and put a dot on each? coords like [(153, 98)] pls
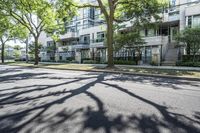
[(179, 73), (154, 71)]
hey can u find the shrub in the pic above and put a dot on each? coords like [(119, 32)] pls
[(73, 61), (124, 62), (189, 64), (189, 58), (153, 63), (89, 62)]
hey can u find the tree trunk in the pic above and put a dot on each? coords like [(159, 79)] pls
[(110, 43), (54, 51), (2, 52), (27, 50), (188, 49), (36, 51)]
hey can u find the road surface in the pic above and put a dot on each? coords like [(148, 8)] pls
[(36, 100)]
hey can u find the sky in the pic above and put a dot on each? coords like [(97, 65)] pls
[(16, 42)]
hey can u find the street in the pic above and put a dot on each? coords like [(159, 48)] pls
[(36, 100)]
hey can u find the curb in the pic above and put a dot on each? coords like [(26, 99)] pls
[(118, 72)]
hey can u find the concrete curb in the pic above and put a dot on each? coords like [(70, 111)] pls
[(119, 72)]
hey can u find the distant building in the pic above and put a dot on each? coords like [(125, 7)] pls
[(8, 52)]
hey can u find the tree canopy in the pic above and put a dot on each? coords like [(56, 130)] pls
[(9, 31), (36, 16), (191, 37)]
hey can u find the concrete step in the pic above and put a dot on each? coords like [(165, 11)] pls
[(171, 56), (169, 63)]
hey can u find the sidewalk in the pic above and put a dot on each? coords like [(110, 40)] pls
[(153, 71)]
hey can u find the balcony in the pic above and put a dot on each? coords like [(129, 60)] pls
[(156, 40), (68, 35), (96, 43), (174, 16)]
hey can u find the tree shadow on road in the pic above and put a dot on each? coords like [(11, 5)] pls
[(93, 119)]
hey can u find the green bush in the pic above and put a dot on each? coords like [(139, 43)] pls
[(153, 63), (70, 58), (189, 58), (124, 62), (89, 62), (188, 64), (73, 61)]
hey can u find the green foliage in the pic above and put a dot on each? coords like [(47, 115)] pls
[(9, 31), (191, 37), (129, 39), (17, 51), (31, 48), (124, 62), (188, 58), (17, 47), (89, 62), (36, 16), (188, 64), (141, 10)]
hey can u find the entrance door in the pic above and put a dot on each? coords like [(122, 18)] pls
[(173, 34)]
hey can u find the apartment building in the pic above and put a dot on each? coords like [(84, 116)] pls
[(85, 36)]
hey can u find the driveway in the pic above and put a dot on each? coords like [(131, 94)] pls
[(36, 100)]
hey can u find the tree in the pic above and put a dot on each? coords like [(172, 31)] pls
[(9, 31), (191, 37), (17, 51), (117, 11), (36, 15), (129, 38), (31, 50), (4, 34)]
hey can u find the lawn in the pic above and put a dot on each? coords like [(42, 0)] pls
[(127, 69)]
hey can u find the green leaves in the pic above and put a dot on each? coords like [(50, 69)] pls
[(128, 39), (191, 37)]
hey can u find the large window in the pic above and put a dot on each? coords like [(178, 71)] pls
[(196, 21), (189, 21), (100, 36), (193, 21), (85, 39)]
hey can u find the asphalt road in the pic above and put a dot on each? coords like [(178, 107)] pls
[(35, 100)]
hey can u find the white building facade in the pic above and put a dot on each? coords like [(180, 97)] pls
[(84, 38)]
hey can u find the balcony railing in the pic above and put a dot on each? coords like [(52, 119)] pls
[(156, 40), (98, 40), (68, 35)]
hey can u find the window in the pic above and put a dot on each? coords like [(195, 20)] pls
[(100, 36), (85, 24), (196, 21), (189, 21), (85, 39)]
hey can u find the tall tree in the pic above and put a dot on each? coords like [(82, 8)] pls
[(36, 15), (9, 31), (117, 11), (191, 37)]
